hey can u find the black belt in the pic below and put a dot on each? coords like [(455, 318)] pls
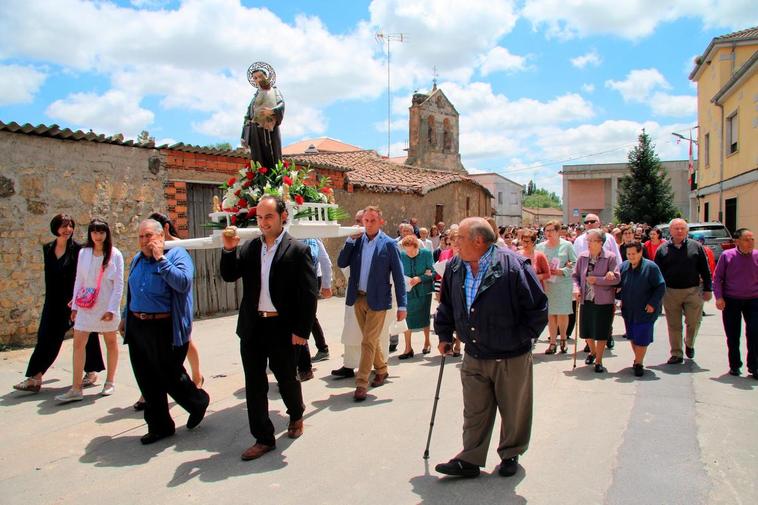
[(145, 316)]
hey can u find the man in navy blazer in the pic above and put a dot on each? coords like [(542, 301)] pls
[(372, 257)]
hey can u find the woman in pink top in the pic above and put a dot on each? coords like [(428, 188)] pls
[(539, 260), (652, 245)]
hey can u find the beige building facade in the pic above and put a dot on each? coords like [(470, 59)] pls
[(507, 196), (727, 88)]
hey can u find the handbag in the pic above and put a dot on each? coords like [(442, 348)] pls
[(86, 297)]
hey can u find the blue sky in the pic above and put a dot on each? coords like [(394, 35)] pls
[(537, 82)]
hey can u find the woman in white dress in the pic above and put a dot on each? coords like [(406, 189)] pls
[(98, 259)]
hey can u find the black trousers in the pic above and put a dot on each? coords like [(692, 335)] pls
[(271, 346), (159, 369), (52, 330), (732, 315)]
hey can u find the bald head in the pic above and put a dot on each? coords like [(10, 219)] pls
[(475, 236), (591, 221), (678, 229)]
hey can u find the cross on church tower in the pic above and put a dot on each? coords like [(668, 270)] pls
[(434, 80)]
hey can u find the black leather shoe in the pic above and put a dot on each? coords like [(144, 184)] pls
[(599, 368), (589, 359), (344, 372), (151, 438), (406, 355), (689, 352), (735, 371), (675, 360), (753, 373), (639, 370), (458, 468), (508, 467), (195, 418)]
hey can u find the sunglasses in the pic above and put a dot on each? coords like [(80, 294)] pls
[(590, 221)]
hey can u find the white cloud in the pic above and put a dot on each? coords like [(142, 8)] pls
[(400, 125), (664, 104), (112, 112), (639, 84), (590, 58), (19, 84), (588, 88), (644, 86), (448, 34), (500, 59), (633, 19)]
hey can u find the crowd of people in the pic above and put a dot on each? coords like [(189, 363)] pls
[(497, 289)]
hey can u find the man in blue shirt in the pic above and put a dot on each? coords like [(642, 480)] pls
[(372, 257), (157, 327), (498, 313)]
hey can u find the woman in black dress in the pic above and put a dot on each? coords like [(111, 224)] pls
[(60, 257)]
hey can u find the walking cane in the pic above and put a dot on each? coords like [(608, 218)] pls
[(436, 399), (577, 331)]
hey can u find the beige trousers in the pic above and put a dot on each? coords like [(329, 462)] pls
[(371, 323), (690, 303), (490, 385)]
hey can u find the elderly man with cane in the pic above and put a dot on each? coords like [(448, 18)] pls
[(492, 298)]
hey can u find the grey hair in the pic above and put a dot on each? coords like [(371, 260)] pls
[(597, 231), (155, 225), (405, 226), (686, 225), (481, 229)]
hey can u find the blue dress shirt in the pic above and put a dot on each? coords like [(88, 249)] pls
[(150, 293)]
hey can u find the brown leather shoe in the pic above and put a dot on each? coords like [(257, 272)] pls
[(295, 429), (256, 451), (360, 394), (379, 379)]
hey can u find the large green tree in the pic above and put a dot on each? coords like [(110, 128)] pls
[(645, 194)]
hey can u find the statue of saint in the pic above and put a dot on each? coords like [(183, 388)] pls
[(260, 130)]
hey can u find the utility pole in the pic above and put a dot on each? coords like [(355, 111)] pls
[(693, 178), (381, 38)]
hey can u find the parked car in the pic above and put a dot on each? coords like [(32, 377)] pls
[(716, 235)]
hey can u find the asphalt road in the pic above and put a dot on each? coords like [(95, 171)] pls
[(682, 434)]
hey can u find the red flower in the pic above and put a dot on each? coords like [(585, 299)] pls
[(238, 192), (252, 211), (326, 191), (231, 181), (242, 203), (249, 175), (287, 180), (234, 219), (262, 170), (299, 199), (246, 184), (286, 164)]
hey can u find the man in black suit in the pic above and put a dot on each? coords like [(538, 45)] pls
[(277, 311)]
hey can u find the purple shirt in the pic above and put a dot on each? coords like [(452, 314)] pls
[(736, 275)]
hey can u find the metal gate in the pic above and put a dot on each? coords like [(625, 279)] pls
[(212, 295)]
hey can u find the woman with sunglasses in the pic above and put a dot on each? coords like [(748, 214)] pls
[(60, 257), (100, 270), (558, 286)]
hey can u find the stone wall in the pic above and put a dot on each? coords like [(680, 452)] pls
[(44, 176)]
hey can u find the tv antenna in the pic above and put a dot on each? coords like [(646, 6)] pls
[(389, 38)]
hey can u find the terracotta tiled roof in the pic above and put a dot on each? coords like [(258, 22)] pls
[(322, 144), (366, 169), (234, 153), (746, 36), (54, 131)]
